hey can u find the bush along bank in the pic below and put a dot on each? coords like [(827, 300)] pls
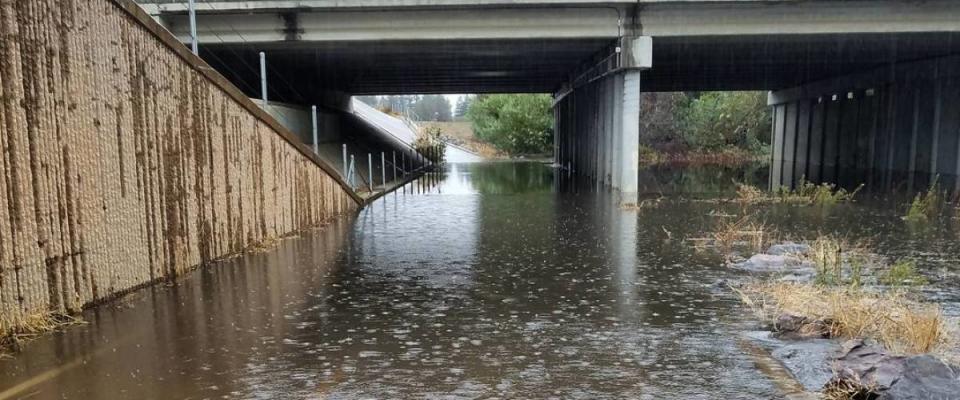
[(725, 128)]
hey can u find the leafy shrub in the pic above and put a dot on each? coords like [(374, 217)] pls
[(514, 123), (715, 120)]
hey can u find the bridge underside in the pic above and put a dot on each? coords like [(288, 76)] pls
[(689, 63), (569, 51)]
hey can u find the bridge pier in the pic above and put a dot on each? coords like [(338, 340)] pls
[(895, 126), (598, 132), (597, 129)]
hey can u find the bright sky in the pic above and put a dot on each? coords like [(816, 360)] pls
[(452, 98)]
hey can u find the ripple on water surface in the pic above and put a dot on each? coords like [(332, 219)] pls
[(488, 280)]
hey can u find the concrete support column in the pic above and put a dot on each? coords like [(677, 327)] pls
[(598, 124), (598, 132), (617, 110), (629, 137)]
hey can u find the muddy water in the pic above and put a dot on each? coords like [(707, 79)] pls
[(503, 280)]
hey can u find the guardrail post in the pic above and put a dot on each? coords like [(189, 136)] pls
[(350, 178), (313, 117), (194, 41), (370, 171), (263, 78), (344, 158)]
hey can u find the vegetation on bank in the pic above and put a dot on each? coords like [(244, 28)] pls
[(899, 323), (843, 299), (430, 144), (13, 334), (517, 124), (806, 192), (697, 127), (707, 127), (926, 205)]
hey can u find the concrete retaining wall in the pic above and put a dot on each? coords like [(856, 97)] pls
[(897, 126), (127, 160)]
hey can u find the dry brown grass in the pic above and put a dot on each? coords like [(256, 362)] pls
[(901, 325), (849, 389), (742, 231), (14, 332), (461, 133), (750, 194)]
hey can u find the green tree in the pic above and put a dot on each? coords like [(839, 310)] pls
[(433, 108), (515, 123), (463, 105)]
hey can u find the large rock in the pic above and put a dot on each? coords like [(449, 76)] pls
[(924, 377), (896, 377), (808, 361), (788, 326), (789, 248), (772, 263), (867, 363)]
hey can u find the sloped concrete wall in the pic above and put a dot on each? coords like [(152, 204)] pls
[(126, 160)]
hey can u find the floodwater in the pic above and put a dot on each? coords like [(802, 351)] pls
[(490, 280)]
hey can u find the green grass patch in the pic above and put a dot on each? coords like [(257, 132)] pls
[(903, 273)]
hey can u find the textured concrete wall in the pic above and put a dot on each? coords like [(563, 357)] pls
[(897, 126), (125, 160)]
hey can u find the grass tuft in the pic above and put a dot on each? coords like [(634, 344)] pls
[(849, 389), (903, 273), (901, 325), (824, 194), (14, 332), (926, 205), (742, 232)]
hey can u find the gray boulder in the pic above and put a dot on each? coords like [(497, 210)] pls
[(924, 377), (788, 248), (808, 361), (788, 326), (896, 377), (772, 263)]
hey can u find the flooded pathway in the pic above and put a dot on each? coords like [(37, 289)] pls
[(491, 280)]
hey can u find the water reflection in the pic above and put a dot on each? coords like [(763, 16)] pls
[(504, 280)]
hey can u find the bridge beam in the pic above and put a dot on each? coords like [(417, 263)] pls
[(883, 128)]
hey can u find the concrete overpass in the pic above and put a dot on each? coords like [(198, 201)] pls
[(597, 56)]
